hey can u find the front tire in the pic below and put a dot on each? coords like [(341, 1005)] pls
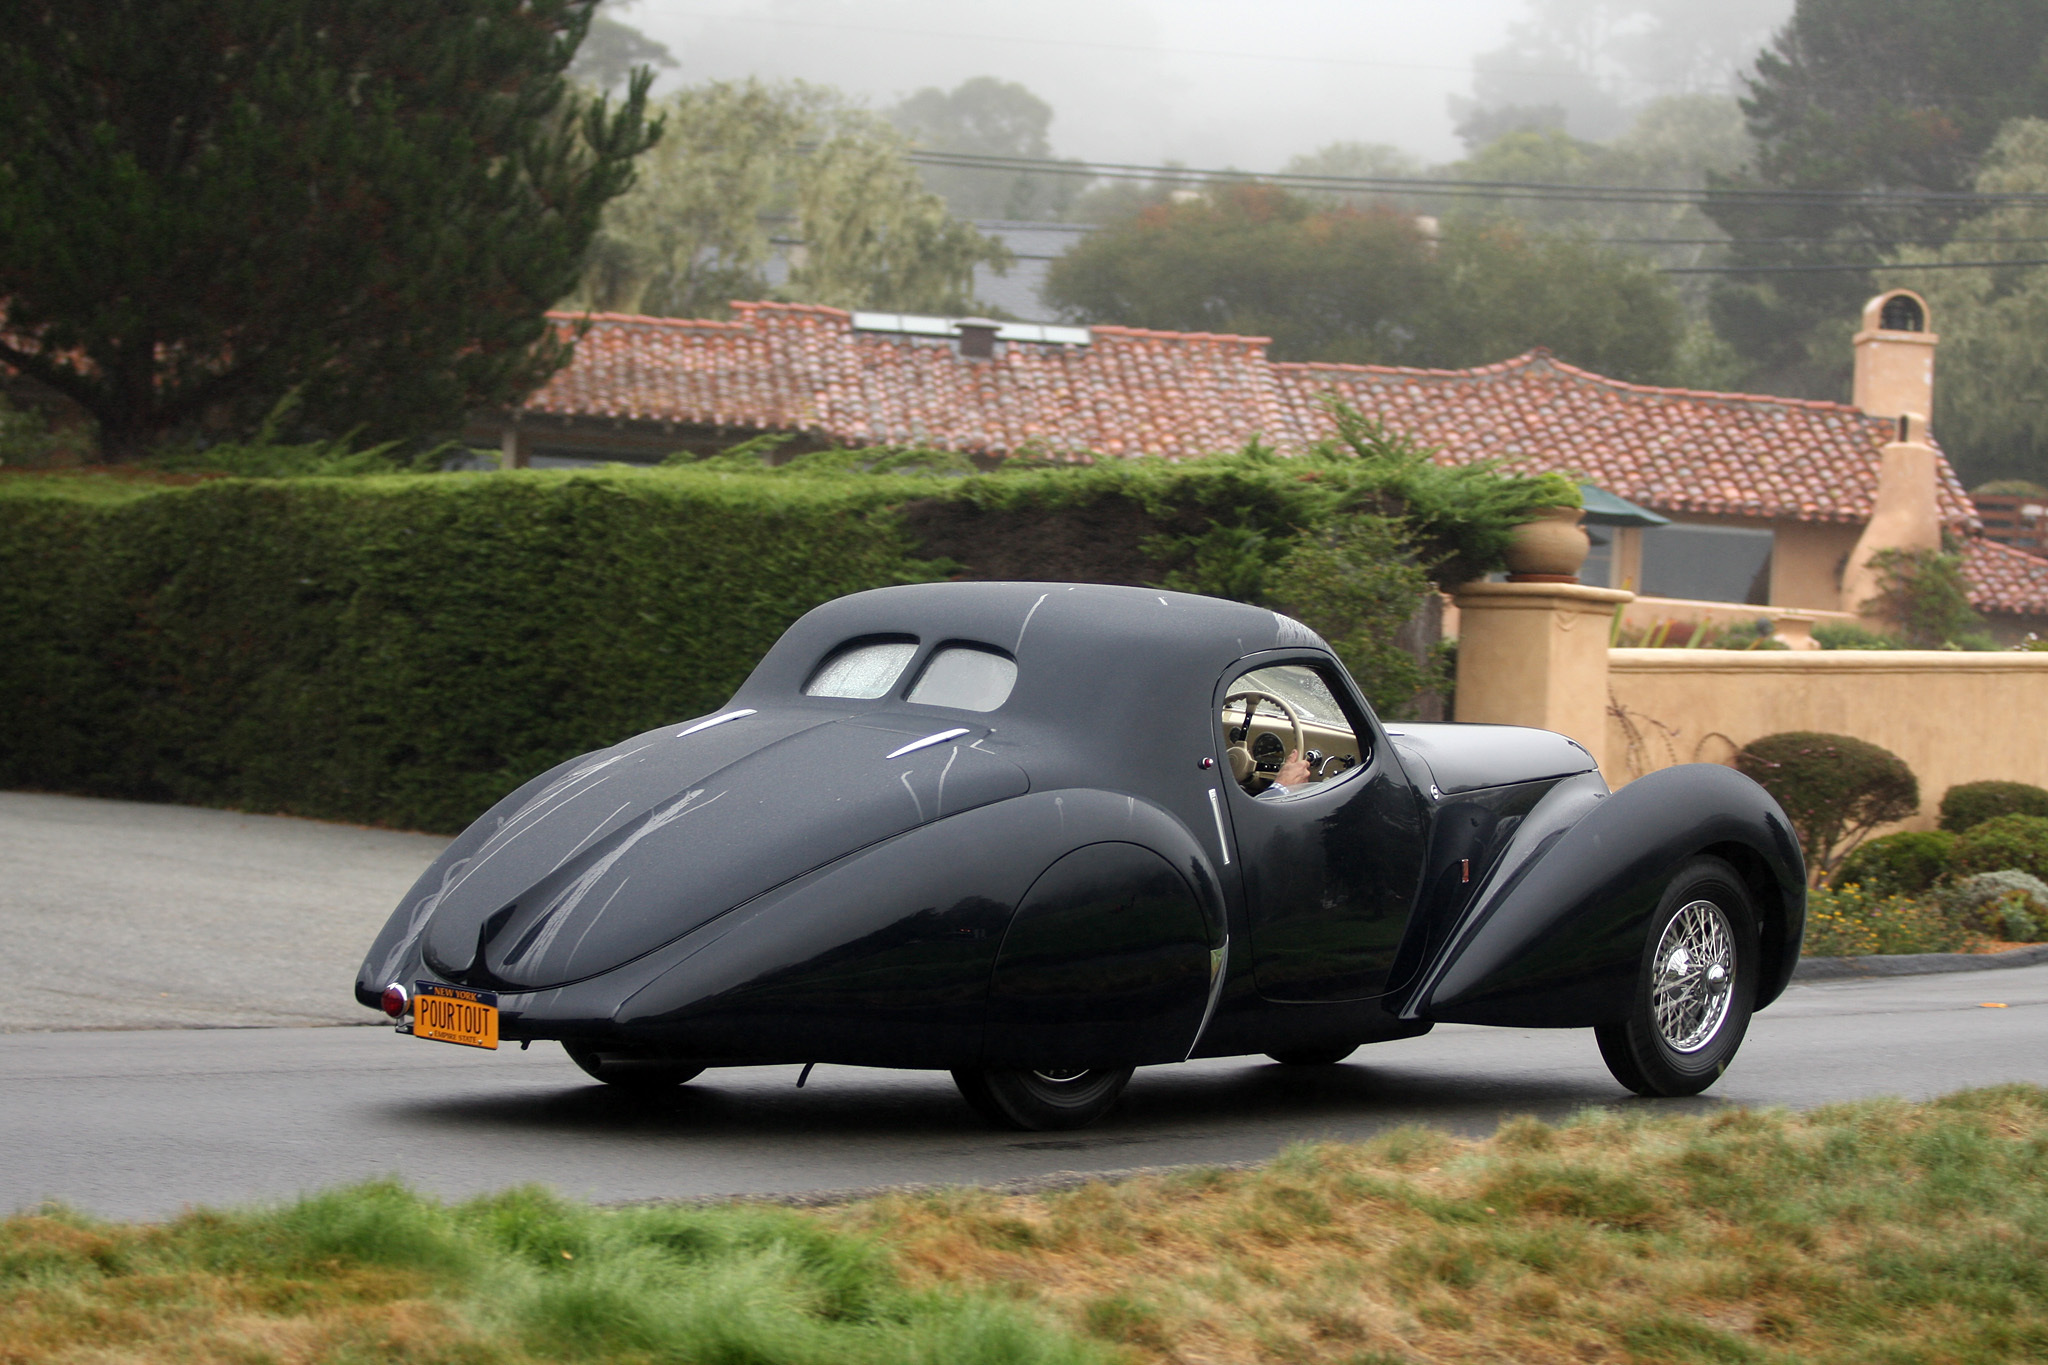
[(630, 1071), (1694, 990), (1049, 1099)]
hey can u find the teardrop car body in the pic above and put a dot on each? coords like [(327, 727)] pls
[(1039, 834)]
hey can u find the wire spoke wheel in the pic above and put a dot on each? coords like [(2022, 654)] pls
[(1694, 990), (1691, 976)]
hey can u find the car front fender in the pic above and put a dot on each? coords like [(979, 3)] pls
[(1554, 937)]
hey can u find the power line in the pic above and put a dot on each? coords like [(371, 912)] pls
[(1810, 241), (1843, 269), (1890, 200), (999, 227)]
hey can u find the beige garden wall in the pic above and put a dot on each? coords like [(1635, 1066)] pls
[(1952, 717)]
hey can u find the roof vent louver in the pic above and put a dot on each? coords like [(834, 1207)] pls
[(978, 337)]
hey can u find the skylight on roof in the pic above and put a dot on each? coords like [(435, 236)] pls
[(919, 325)]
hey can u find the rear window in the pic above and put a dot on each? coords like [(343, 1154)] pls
[(966, 677), (864, 670)]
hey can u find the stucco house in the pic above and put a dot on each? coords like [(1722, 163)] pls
[(1766, 497)]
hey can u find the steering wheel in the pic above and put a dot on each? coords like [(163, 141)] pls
[(1242, 764)]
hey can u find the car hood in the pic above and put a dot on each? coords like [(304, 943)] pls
[(634, 846)]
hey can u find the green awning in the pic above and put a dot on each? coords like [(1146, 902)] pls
[(1604, 509)]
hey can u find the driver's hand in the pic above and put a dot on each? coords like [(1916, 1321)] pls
[(1294, 771)]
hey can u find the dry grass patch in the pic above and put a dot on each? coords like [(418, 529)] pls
[(1874, 1232), (375, 1273), (1877, 1233)]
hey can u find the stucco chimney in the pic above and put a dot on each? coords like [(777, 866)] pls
[(1895, 380), (1895, 357), (1906, 516)]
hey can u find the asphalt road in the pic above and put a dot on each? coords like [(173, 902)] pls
[(116, 914), (140, 1124), (160, 968)]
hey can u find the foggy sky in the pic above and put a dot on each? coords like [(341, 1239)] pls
[(1209, 82)]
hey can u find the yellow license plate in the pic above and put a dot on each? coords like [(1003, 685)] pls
[(452, 1014)]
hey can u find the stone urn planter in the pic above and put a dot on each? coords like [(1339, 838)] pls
[(1794, 629), (1549, 548)]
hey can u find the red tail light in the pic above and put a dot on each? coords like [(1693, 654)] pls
[(396, 1001)]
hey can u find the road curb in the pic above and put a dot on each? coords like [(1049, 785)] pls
[(1914, 964)]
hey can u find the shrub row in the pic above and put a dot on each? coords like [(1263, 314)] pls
[(395, 650), (1983, 875), (403, 649)]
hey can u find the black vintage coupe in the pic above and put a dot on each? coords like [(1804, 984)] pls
[(1031, 833)]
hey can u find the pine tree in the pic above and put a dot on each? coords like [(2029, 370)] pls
[(210, 207), (1863, 95)]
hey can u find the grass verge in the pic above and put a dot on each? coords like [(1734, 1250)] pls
[(377, 1273), (1879, 1232)]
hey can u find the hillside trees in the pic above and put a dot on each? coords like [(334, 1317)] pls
[(367, 205), (1902, 95), (1585, 67), (745, 167), (1991, 380), (1368, 285), (613, 50), (987, 117)]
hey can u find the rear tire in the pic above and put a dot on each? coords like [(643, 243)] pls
[(1041, 1101), (1695, 987), (630, 1071), (1329, 1054)]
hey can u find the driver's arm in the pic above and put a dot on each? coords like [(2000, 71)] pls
[(1292, 774)]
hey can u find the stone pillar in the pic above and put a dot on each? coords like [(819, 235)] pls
[(512, 447), (1536, 654)]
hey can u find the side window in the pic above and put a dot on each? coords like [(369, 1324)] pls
[(862, 670), (969, 677), (1271, 712)]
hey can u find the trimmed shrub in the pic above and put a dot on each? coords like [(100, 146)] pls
[(1835, 789), (1902, 864), (2006, 842), (2009, 905), (1972, 803)]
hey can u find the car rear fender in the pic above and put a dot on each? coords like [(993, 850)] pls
[(886, 957), (1553, 936)]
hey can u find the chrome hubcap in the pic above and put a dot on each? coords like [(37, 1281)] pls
[(1691, 976)]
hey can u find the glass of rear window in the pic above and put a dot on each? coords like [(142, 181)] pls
[(966, 677), (861, 671)]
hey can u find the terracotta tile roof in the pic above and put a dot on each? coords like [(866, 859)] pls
[(802, 367), (799, 367), (2003, 579), (1675, 450)]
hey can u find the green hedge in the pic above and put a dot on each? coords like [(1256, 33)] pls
[(403, 649), (397, 650)]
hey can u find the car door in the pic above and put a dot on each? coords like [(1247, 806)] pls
[(1329, 870)]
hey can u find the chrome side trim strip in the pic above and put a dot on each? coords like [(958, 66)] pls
[(1219, 967), (715, 720), (940, 738)]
